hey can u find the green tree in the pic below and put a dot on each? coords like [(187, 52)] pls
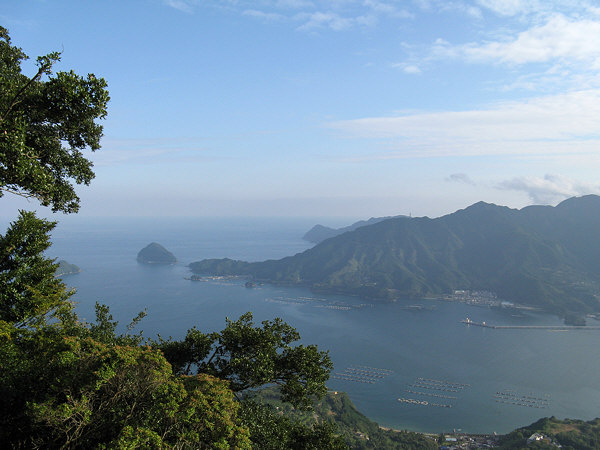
[(249, 356), (45, 123), (64, 383), (29, 289), (272, 431), (109, 394)]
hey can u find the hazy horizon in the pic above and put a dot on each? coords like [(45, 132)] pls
[(228, 212)]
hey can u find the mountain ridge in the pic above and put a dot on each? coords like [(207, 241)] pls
[(543, 256), (319, 232)]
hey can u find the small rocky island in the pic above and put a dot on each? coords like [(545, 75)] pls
[(155, 254), (64, 268)]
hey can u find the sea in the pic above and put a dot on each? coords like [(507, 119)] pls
[(409, 365)]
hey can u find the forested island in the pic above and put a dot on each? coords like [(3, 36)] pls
[(65, 268), (155, 253), (542, 256)]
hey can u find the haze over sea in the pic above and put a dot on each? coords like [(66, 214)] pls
[(557, 372)]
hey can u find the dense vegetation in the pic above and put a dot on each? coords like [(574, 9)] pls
[(65, 383), (543, 256), (570, 434), (356, 429)]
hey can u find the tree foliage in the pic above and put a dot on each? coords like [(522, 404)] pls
[(272, 431), (45, 123), (68, 384), (351, 427), (114, 390), (29, 289), (249, 357), (568, 433), (76, 392)]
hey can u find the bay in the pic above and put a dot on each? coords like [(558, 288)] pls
[(501, 379)]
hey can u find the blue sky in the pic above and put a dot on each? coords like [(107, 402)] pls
[(341, 108)]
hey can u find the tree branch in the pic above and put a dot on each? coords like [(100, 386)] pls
[(22, 194), (220, 347), (14, 100)]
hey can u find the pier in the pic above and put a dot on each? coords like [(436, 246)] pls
[(468, 321)]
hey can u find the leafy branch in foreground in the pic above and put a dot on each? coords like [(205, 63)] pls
[(44, 126), (249, 356)]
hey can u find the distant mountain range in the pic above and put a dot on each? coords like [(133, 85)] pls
[(319, 233), (540, 255)]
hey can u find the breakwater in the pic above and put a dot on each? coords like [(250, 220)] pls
[(468, 321)]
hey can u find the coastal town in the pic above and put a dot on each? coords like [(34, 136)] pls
[(480, 298)]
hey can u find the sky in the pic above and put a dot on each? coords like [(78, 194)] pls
[(338, 108)]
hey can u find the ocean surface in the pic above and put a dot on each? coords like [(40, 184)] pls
[(472, 379)]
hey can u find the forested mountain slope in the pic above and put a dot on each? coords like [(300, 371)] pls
[(319, 233), (540, 255)]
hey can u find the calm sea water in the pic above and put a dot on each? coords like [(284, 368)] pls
[(485, 370)]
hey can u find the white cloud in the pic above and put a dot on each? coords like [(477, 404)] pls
[(263, 15), (550, 189), (552, 49), (186, 6), (412, 69), (332, 21), (473, 12), (388, 9), (336, 15), (595, 10), (460, 178), (409, 68), (321, 19), (559, 124), (560, 38)]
